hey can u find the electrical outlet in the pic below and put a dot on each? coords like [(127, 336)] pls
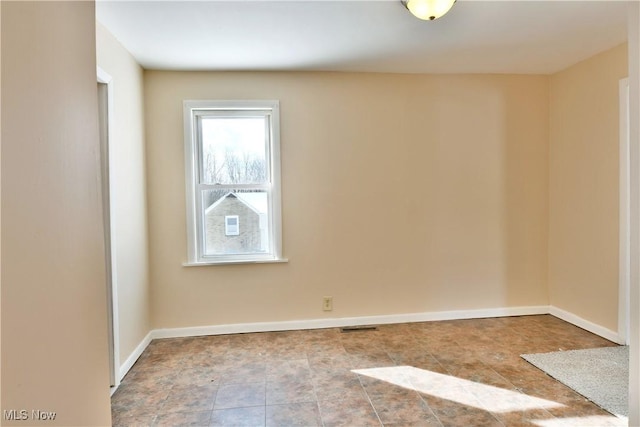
[(327, 303)]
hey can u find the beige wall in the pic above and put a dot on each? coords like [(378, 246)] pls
[(583, 187), (401, 194), (128, 191), (54, 328), (633, 58)]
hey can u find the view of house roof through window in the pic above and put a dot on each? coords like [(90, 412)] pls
[(237, 223)]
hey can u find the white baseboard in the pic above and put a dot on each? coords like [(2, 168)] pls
[(126, 366), (346, 321), (586, 325), (364, 320)]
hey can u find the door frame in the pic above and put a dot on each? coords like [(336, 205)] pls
[(624, 278), (105, 96)]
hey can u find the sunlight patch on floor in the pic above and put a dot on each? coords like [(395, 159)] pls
[(465, 392)]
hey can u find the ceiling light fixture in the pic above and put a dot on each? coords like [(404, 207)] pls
[(428, 9)]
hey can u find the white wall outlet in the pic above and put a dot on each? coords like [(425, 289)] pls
[(327, 303)]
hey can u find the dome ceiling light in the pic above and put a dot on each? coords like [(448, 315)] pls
[(428, 10)]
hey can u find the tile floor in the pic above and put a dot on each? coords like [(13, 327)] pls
[(451, 373)]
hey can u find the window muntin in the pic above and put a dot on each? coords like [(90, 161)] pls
[(232, 168)]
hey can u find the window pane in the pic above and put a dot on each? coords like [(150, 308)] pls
[(234, 150), (235, 222)]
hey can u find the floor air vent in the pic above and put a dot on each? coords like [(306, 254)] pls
[(359, 328)]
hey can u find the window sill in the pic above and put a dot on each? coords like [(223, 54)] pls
[(239, 261)]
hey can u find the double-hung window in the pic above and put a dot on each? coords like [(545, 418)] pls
[(232, 165)]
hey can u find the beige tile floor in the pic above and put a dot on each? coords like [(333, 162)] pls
[(450, 373)]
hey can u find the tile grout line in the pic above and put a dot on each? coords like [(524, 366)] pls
[(313, 385), (364, 390)]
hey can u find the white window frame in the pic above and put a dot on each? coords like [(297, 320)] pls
[(193, 110), (236, 227)]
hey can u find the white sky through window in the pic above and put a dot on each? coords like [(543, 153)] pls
[(237, 135), (234, 150)]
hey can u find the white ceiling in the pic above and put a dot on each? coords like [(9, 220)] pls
[(476, 36)]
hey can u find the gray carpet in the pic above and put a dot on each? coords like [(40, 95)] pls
[(599, 374)]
